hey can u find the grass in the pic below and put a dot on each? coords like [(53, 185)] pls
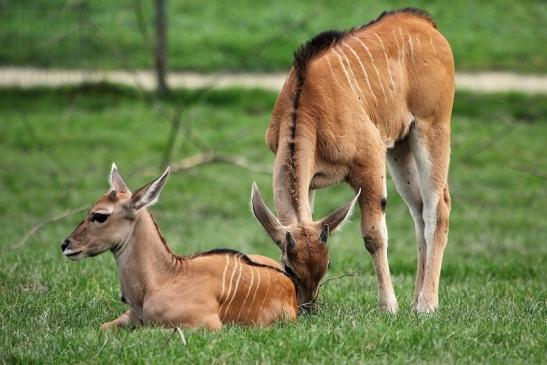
[(254, 36), (57, 147)]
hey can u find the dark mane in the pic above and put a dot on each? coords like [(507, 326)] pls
[(177, 257), (305, 54), (325, 40), (307, 51), (218, 251), (302, 57), (410, 11)]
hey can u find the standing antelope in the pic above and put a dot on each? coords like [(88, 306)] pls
[(352, 100), (204, 290)]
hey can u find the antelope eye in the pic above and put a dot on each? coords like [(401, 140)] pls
[(99, 217)]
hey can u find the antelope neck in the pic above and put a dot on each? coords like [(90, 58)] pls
[(145, 262), (290, 197)]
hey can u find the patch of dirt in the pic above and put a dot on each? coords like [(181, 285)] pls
[(144, 79)]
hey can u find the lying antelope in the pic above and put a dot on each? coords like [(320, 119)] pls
[(205, 290), (352, 100)]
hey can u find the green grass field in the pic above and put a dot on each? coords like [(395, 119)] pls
[(56, 150), (254, 36)]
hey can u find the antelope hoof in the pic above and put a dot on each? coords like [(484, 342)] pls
[(425, 305), (107, 326), (389, 306)]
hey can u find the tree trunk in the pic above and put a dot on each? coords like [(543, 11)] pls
[(160, 50)]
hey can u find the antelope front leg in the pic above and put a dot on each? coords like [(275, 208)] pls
[(436, 217), (127, 319), (373, 227)]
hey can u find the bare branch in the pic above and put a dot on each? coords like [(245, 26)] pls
[(192, 161), (210, 157), (242, 162), (474, 151), (38, 227), (143, 26), (528, 172), (355, 273), (182, 338), (175, 127), (168, 339)]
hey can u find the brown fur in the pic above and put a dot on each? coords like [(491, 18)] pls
[(353, 100), (204, 290)]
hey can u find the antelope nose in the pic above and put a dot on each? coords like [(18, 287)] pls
[(65, 244)]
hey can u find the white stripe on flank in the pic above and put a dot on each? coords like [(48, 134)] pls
[(248, 292), (267, 291), (346, 71), (363, 69), (224, 275), (222, 298), (373, 63), (332, 73), (402, 43), (256, 291), (352, 73), (418, 39), (398, 51), (237, 284), (229, 288), (432, 45), (410, 45), (387, 61)]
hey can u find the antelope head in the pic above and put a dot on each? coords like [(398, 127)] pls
[(110, 222), (304, 249)]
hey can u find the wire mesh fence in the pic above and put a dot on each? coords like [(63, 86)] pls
[(67, 42), (54, 42)]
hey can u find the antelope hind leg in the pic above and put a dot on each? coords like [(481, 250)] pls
[(431, 149), (404, 173)]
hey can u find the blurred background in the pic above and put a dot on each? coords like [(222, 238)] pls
[(143, 83), (247, 35)]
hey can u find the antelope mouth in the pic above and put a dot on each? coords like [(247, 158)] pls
[(71, 253)]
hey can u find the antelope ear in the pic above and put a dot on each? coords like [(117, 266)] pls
[(324, 236), (116, 182), (149, 193), (266, 218), (339, 216), (290, 241)]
